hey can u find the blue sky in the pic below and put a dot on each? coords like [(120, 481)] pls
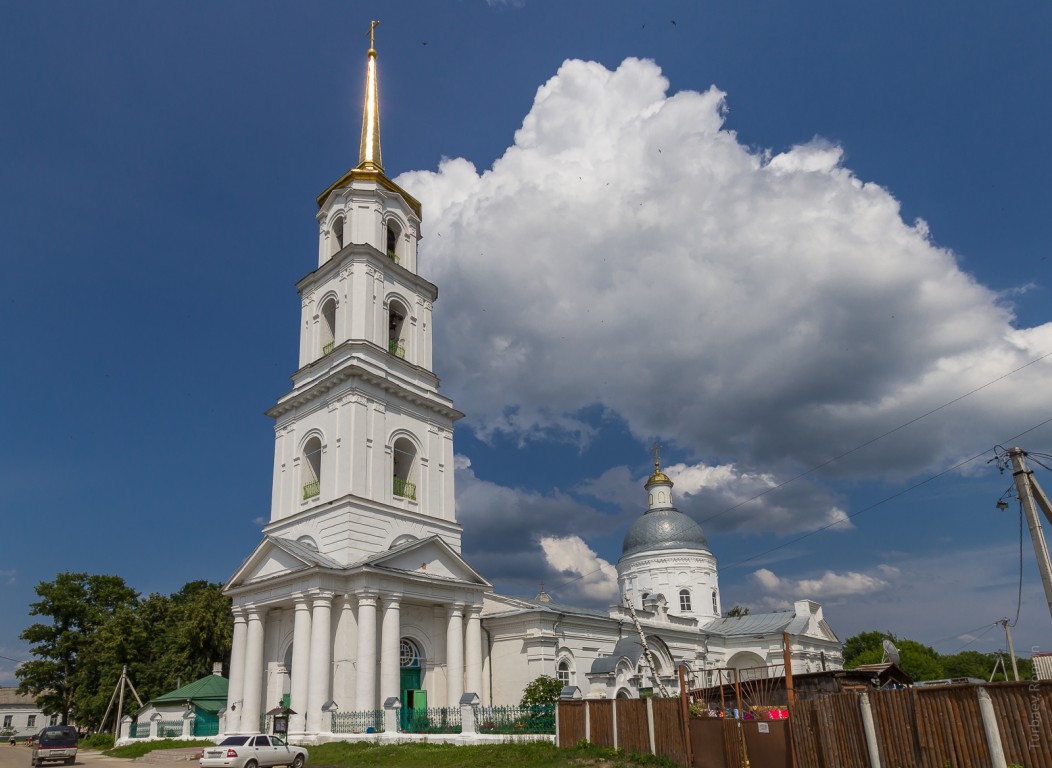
[(762, 235)]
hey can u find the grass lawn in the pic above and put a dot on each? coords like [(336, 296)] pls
[(533, 755), (140, 748)]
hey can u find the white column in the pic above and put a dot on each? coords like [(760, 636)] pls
[(300, 665), (343, 653), (253, 672), (455, 655), (320, 666), (390, 646), (366, 672), (473, 650), (236, 689)]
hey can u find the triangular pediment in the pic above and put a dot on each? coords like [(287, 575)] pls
[(277, 557), (430, 557)]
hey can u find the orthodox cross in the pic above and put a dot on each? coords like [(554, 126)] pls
[(372, 33), (656, 450)]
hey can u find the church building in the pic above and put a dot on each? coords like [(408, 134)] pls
[(358, 594)]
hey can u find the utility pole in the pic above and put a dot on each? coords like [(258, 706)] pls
[(1011, 649), (1027, 488)]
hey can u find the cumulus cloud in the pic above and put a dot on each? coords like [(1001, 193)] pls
[(596, 579), (829, 584), (770, 308), (726, 498), (522, 537)]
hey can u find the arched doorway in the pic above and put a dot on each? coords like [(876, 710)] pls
[(414, 697)]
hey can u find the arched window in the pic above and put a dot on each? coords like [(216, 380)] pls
[(337, 235), (328, 326), (715, 607), (404, 462), (564, 673), (396, 314), (684, 600), (408, 654), (393, 233), (310, 469)]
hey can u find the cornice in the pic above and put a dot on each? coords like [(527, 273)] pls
[(351, 368), (361, 174), (364, 253)]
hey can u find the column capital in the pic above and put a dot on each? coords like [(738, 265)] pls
[(322, 598), (392, 598), (474, 611), (456, 609), (301, 601), (366, 596), (255, 612), (240, 615)]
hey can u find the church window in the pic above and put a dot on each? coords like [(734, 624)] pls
[(328, 326), (684, 600), (564, 673), (308, 542), (650, 500), (392, 241), (715, 608), (408, 654), (32, 721), (337, 235), (396, 315), (661, 497), (311, 468), (404, 466)]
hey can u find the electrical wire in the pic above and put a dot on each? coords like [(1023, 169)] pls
[(875, 439), (976, 638), (1019, 597), (885, 500), (842, 455), (853, 515)]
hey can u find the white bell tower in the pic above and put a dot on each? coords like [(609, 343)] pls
[(363, 452)]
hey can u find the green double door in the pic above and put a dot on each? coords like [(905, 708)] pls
[(414, 700)]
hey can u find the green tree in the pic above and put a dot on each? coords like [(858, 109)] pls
[(542, 691), (916, 659), (76, 605), (188, 631), (737, 612)]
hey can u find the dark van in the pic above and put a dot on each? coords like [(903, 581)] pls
[(56, 742)]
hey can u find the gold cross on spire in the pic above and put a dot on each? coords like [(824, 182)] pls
[(656, 450), (369, 153)]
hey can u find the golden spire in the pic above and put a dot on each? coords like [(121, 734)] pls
[(369, 155)]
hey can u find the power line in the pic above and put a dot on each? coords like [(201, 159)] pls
[(827, 462), (848, 453), (853, 514), (885, 500)]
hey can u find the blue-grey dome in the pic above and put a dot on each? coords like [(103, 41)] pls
[(664, 529)]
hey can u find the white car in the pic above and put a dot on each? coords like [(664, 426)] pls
[(255, 750)]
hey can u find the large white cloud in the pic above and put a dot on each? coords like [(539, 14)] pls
[(627, 250)]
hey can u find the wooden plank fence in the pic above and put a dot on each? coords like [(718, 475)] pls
[(921, 727)]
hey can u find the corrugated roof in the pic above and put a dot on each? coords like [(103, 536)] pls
[(751, 624), (547, 607), (627, 647), (208, 693)]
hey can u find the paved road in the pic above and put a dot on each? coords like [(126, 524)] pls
[(18, 757)]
